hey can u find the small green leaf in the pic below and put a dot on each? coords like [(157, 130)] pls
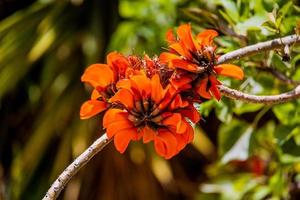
[(240, 150), (296, 133), (283, 12)]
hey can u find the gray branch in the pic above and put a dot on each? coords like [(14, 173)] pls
[(75, 166), (249, 98), (259, 47)]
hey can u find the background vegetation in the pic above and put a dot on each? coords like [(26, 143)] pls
[(240, 151)]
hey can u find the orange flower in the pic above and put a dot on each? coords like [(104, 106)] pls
[(103, 79), (143, 109), (194, 60)]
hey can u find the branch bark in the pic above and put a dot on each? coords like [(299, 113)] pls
[(261, 46), (75, 166), (249, 98)]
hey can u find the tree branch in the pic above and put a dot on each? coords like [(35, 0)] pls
[(249, 98), (261, 46), (75, 166)]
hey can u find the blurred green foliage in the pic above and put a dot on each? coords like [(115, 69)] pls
[(241, 151)]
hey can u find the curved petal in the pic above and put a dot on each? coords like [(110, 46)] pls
[(206, 37), (113, 115), (182, 64), (157, 91), (184, 33), (170, 36), (142, 84), (119, 64), (166, 58), (177, 48), (116, 126), (91, 108), (98, 75), (229, 70), (178, 103), (174, 123), (202, 89), (213, 88), (124, 83), (111, 57), (165, 143), (123, 137), (124, 97), (148, 134), (185, 138), (192, 113), (95, 94), (181, 82)]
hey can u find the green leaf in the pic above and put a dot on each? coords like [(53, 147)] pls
[(289, 159), (240, 150), (282, 133), (230, 9), (278, 184), (228, 134), (287, 113), (270, 26), (283, 12), (242, 108), (296, 134)]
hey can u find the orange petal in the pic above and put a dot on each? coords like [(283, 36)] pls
[(215, 91), (177, 47), (206, 37), (202, 89), (111, 57), (167, 57), (124, 83), (229, 70), (113, 115), (185, 138), (213, 88), (142, 84), (174, 123), (123, 137), (98, 75), (157, 92), (184, 33), (119, 63), (182, 82), (165, 143), (182, 64), (91, 108), (192, 113), (116, 126), (170, 36), (148, 134), (95, 94), (178, 103), (124, 97)]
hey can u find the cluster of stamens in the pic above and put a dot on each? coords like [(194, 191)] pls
[(145, 113)]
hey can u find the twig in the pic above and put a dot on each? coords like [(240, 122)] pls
[(262, 46), (75, 166), (249, 98)]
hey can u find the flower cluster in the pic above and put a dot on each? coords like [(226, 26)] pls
[(153, 99)]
